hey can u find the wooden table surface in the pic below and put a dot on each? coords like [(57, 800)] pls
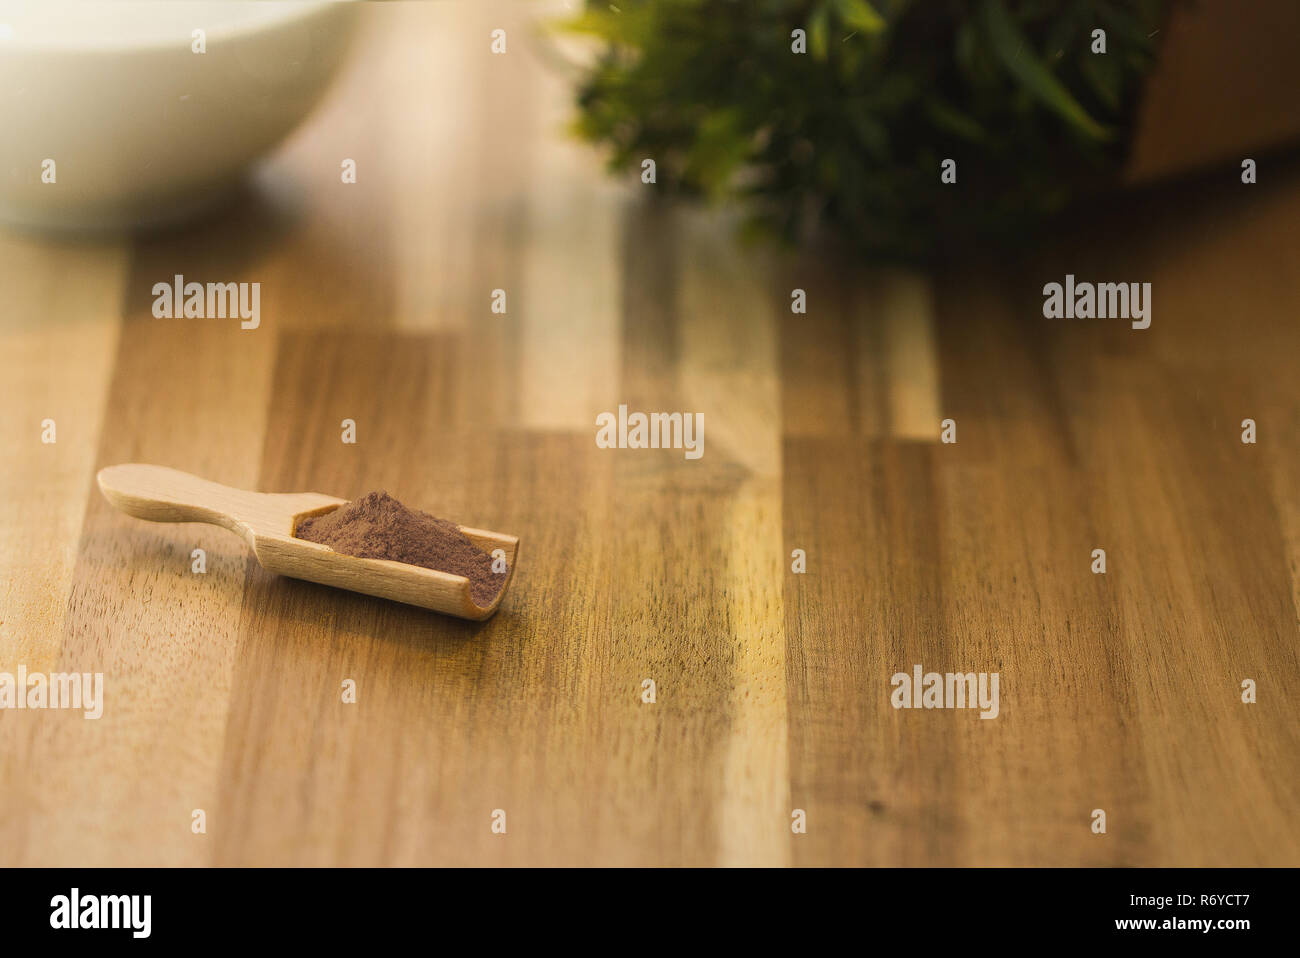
[(223, 691)]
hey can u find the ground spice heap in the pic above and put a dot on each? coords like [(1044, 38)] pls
[(377, 526)]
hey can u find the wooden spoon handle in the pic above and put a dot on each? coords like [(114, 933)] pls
[(160, 494)]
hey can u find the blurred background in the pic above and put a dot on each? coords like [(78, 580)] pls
[(796, 146)]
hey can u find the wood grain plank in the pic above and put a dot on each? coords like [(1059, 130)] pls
[(189, 393), (57, 343), (906, 304), (1023, 527), (828, 365), (852, 765), (728, 371)]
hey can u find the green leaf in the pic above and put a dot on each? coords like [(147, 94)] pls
[(1103, 73), (720, 149), (818, 30), (594, 22), (860, 15), (1019, 59)]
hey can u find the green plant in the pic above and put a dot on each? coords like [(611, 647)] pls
[(851, 134)]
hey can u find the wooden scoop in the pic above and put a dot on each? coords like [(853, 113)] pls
[(267, 521)]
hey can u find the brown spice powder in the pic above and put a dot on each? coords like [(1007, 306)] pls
[(377, 526)]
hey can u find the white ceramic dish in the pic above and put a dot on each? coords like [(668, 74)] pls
[(141, 129)]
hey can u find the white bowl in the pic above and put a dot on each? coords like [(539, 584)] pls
[(141, 129)]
